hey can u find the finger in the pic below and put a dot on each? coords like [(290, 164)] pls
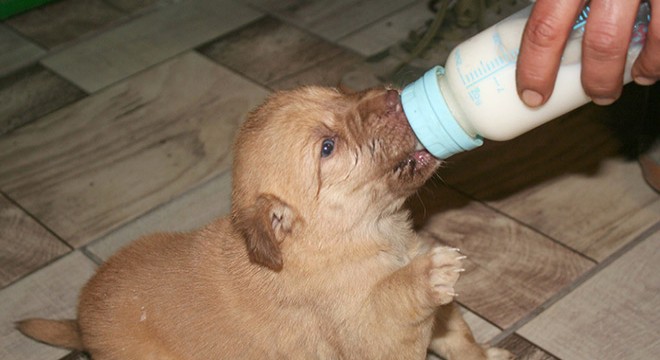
[(605, 47), (541, 48), (646, 70)]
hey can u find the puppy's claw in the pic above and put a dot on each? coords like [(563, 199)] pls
[(499, 354), (462, 257), (451, 293), (444, 271), (446, 290)]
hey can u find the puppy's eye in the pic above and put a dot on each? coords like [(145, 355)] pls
[(327, 148)]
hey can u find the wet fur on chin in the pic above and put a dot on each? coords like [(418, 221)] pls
[(316, 260)]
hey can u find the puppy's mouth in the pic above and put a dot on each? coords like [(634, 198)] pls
[(419, 162), (402, 159)]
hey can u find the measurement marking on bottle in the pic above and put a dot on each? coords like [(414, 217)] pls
[(487, 67), (582, 18)]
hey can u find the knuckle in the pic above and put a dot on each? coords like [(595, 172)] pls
[(543, 32), (533, 78), (602, 84), (603, 90), (649, 59), (648, 66), (602, 44)]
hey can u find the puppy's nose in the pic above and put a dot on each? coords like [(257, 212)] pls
[(392, 100)]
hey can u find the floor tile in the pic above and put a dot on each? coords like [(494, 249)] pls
[(148, 151), (613, 315), (52, 292), (565, 179), (146, 41), (331, 72), (62, 21), (510, 269), (31, 93), (16, 51), (523, 349), (331, 20), (76, 355), (269, 50), (192, 210), (25, 244), (97, 164), (482, 330), (129, 6), (387, 32)]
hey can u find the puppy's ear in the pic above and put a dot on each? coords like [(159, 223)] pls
[(264, 226)]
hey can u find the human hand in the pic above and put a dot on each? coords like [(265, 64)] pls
[(606, 39)]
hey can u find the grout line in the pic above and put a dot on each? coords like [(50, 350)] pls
[(300, 27), (475, 313), (310, 67), (192, 189), (536, 346), (37, 220), (47, 52), (129, 76), (27, 71), (522, 223), (279, 17), (39, 268), (90, 255), (24, 37), (588, 275), (390, 14), (36, 60), (122, 22), (84, 249), (233, 71), (117, 8), (269, 85), (231, 32), (140, 10)]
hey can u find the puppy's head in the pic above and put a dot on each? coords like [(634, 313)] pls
[(320, 160)]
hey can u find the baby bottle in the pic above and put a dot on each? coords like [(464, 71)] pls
[(474, 96)]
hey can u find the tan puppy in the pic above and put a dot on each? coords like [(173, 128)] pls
[(317, 260)]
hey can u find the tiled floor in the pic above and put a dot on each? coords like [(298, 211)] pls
[(116, 119)]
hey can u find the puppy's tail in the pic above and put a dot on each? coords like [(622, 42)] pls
[(60, 333)]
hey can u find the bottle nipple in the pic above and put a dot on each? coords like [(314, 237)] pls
[(431, 120)]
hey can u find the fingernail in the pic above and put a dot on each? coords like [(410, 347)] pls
[(644, 81), (531, 98), (603, 101)]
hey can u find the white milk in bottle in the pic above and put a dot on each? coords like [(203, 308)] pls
[(474, 96)]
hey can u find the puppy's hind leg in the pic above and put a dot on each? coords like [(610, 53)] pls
[(453, 339)]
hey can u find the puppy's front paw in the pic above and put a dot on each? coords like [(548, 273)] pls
[(499, 354), (445, 266)]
